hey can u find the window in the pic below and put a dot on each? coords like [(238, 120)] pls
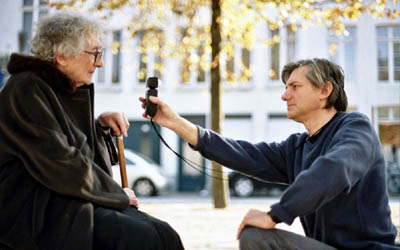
[(275, 55), (388, 51), (389, 132), (186, 64), (116, 57), (195, 59), (389, 113), (26, 34), (291, 44), (150, 51), (33, 10), (237, 65), (383, 113), (201, 57), (282, 47), (110, 74), (342, 51)]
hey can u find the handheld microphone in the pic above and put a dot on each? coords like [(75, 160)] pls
[(152, 85)]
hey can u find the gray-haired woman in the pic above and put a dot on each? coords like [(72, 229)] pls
[(56, 191)]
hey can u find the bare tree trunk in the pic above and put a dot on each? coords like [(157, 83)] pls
[(219, 183)]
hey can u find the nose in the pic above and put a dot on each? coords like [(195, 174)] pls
[(285, 96), (99, 63)]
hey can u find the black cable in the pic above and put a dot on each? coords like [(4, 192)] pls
[(187, 161)]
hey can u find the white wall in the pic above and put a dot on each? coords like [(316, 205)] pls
[(10, 25)]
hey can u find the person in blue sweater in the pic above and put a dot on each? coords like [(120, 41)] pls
[(335, 170)]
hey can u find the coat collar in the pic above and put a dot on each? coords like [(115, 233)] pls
[(45, 70)]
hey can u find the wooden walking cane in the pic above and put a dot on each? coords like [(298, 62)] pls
[(121, 159)]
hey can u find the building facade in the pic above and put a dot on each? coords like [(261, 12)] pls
[(369, 53)]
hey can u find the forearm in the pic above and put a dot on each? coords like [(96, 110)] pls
[(265, 161), (186, 130)]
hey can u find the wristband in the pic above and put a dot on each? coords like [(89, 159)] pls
[(273, 217)]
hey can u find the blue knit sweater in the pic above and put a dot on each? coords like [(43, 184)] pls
[(336, 181)]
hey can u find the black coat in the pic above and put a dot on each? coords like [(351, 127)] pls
[(55, 161)]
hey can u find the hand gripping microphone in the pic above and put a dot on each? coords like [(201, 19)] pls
[(152, 85), (151, 110)]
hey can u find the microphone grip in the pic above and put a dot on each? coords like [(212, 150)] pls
[(151, 108)]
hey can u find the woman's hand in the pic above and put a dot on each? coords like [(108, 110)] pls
[(132, 197), (117, 121)]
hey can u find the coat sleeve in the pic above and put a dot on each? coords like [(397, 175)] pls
[(352, 151), (37, 138), (262, 161)]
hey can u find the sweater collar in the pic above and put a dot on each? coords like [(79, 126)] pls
[(316, 135)]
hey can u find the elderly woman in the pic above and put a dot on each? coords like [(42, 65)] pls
[(56, 189)]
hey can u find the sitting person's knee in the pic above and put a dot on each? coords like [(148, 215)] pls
[(255, 238), (249, 238)]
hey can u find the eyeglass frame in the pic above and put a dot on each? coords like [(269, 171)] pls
[(97, 55)]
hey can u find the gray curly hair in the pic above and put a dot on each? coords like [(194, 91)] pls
[(64, 33)]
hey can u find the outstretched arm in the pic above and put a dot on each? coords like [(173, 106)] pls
[(242, 156)]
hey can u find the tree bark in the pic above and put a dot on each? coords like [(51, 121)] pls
[(219, 181)]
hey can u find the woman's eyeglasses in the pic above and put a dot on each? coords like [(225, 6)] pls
[(97, 55)]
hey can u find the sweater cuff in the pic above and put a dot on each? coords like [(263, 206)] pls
[(282, 214), (200, 143), (273, 217)]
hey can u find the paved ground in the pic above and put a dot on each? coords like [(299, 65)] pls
[(202, 227)]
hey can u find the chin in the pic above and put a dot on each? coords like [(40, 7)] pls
[(86, 82), (292, 117), (81, 83)]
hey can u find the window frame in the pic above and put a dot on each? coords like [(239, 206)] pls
[(194, 75), (341, 53), (36, 9), (390, 40), (287, 41), (106, 72), (236, 66), (147, 61)]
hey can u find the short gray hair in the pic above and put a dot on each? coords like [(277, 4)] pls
[(320, 72), (64, 33)]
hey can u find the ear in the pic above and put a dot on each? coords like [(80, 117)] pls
[(61, 60), (327, 90)]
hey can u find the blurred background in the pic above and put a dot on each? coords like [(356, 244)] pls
[(138, 44)]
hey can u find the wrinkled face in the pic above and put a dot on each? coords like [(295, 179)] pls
[(303, 99), (80, 69)]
